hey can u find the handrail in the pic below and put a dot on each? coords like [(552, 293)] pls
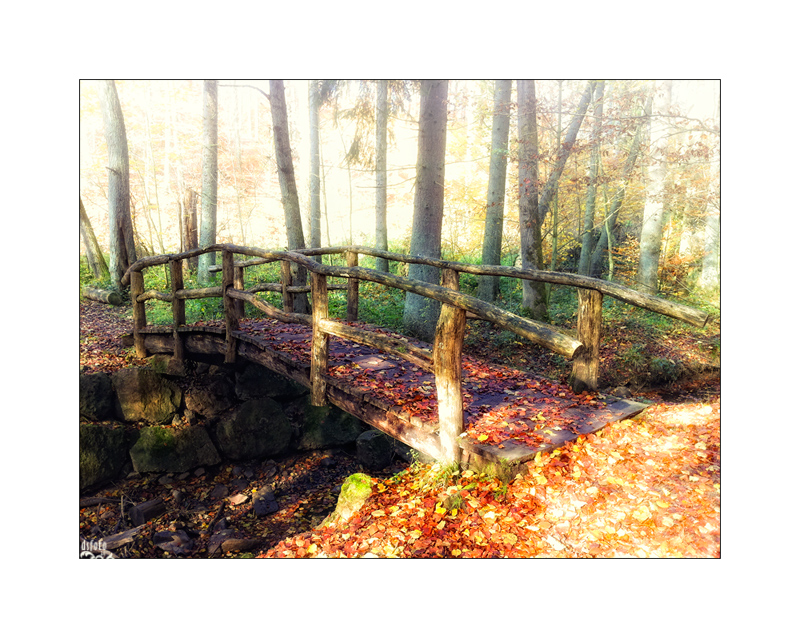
[(443, 359)]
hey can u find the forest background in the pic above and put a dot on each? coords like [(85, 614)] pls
[(675, 176)]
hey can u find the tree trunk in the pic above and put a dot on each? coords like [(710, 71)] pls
[(488, 287), (208, 197), (381, 232), (121, 238), (93, 253), (591, 191), (104, 296), (291, 202), (315, 238), (653, 217), (596, 262), (421, 314), (534, 294)]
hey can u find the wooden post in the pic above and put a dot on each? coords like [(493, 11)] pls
[(447, 347), (178, 308), (319, 339), (238, 283), (231, 320), (139, 316), (286, 281), (586, 364), (352, 287)]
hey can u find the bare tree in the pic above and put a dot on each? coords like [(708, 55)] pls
[(208, 196), (121, 238)]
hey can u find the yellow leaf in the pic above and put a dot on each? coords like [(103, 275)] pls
[(378, 513), (456, 552), (415, 533), (662, 504), (312, 549), (440, 510), (483, 437), (440, 525), (541, 480), (453, 512), (381, 487), (642, 514)]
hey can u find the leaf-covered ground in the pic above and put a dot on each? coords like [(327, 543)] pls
[(647, 487)]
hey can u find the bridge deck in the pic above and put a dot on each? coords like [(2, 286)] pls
[(509, 415)]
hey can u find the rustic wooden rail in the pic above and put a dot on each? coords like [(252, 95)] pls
[(443, 358)]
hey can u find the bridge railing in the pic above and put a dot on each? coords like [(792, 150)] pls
[(443, 359)]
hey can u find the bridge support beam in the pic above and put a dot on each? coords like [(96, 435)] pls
[(447, 348), (229, 303), (319, 338), (139, 316), (586, 364)]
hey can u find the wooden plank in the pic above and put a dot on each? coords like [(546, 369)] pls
[(386, 421)]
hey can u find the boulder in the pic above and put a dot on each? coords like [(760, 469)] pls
[(210, 396), (322, 427), (144, 395), (103, 453), (257, 382), (96, 396), (356, 489), (256, 429), (264, 502), (374, 449), (161, 449)]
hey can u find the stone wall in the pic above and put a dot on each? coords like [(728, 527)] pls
[(154, 421)]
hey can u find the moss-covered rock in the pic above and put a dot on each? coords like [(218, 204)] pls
[(322, 427), (103, 452), (95, 396), (257, 429), (356, 489), (160, 449), (144, 395)]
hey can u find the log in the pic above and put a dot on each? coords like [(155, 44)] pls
[(103, 296), (396, 346), (319, 338), (270, 311), (447, 348), (178, 308), (352, 288), (139, 314)]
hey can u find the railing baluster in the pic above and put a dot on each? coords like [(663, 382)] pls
[(228, 302), (447, 347), (286, 281), (352, 287), (178, 308), (139, 315), (586, 364), (319, 338), (238, 283)]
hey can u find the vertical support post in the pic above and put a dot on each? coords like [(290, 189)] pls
[(586, 365), (447, 348), (178, 308), (352, 287), (286, 281), (238, 283), (319, 339), (139, 316), (231, 319)]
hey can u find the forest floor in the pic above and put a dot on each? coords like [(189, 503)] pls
[(644, 487)]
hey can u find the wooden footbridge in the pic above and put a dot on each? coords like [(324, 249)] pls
[(429, 396)]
